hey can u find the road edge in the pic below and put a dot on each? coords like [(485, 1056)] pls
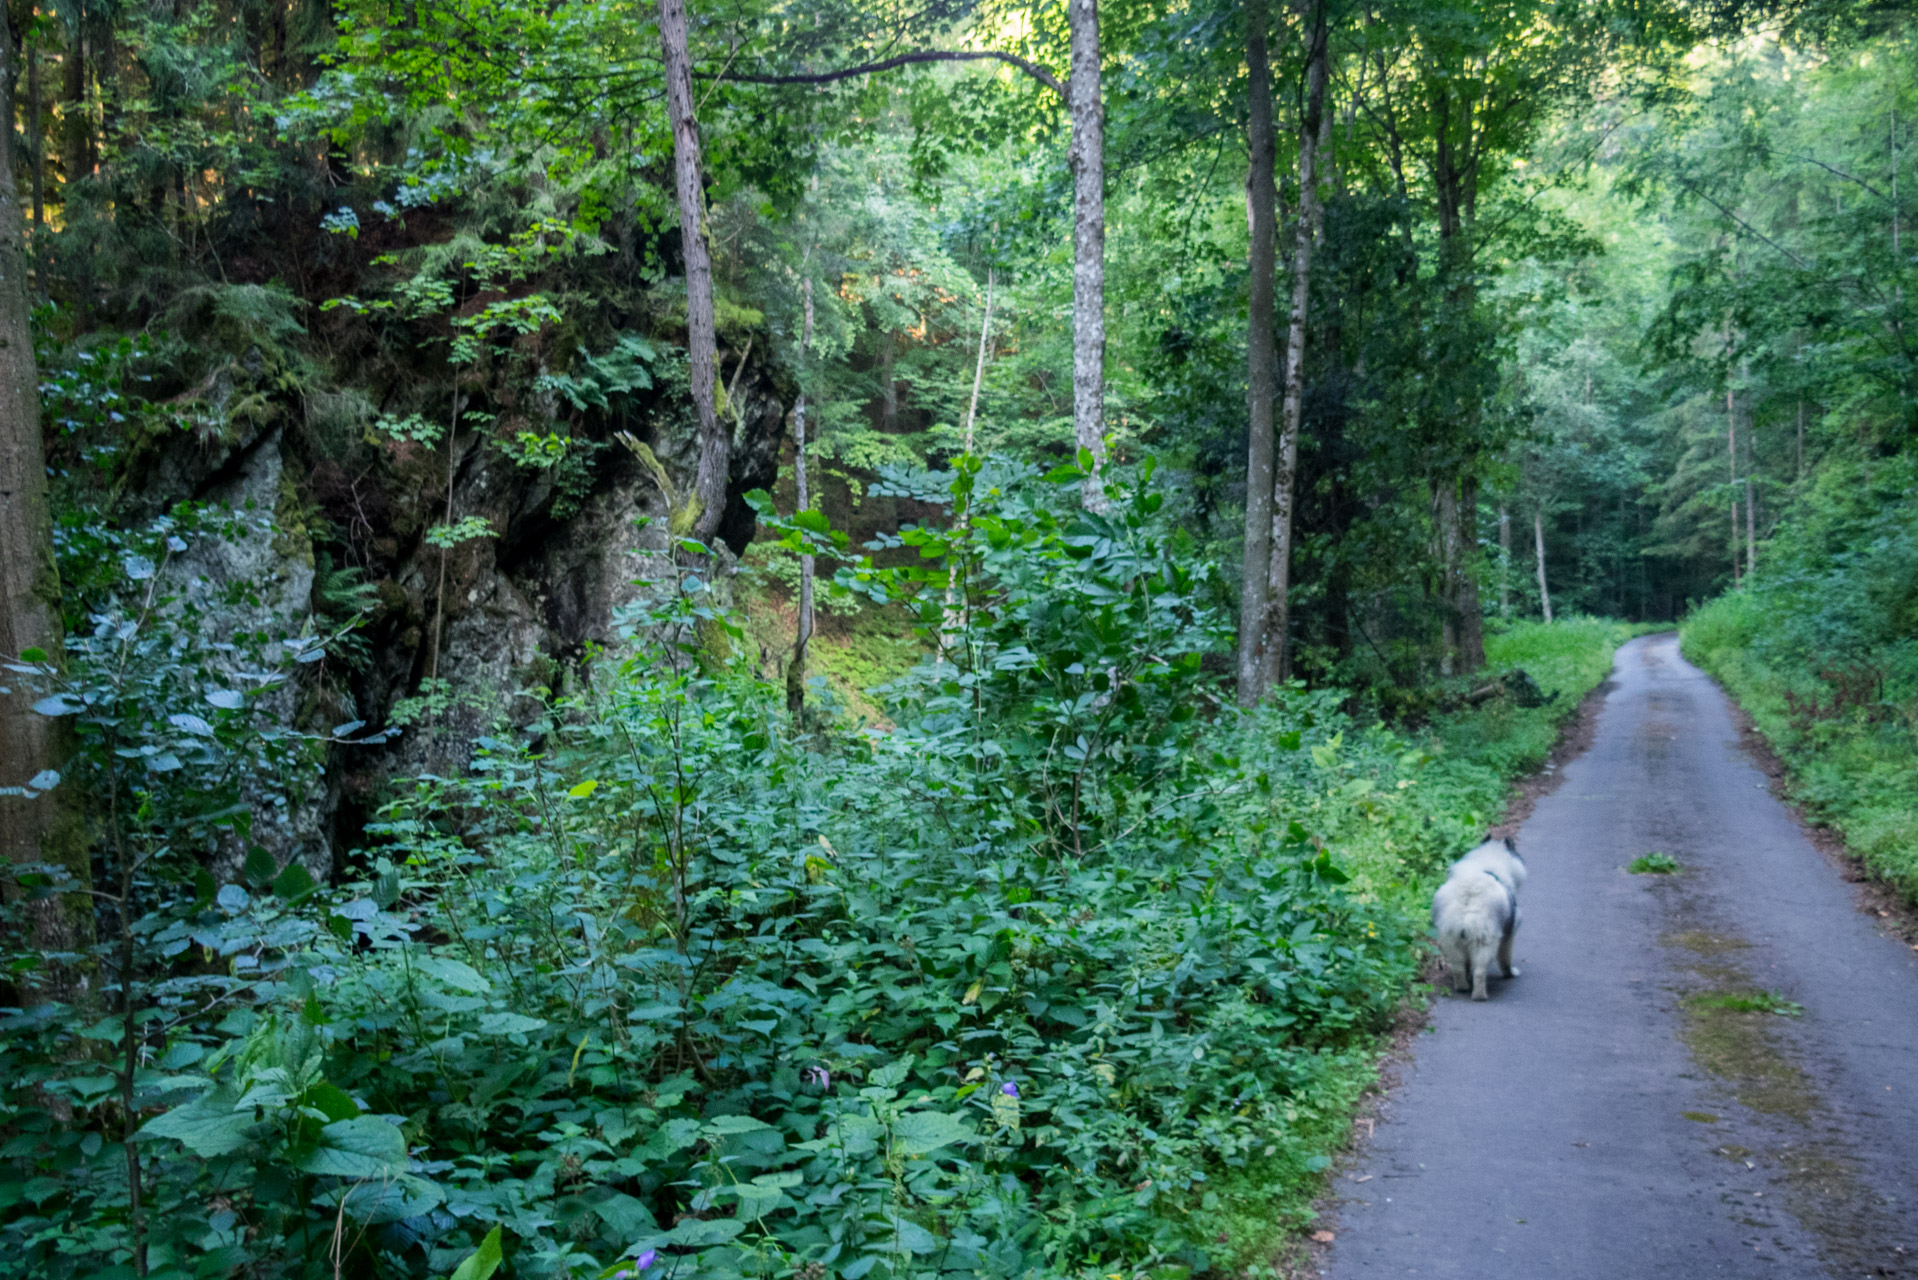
[(1303, 1257)]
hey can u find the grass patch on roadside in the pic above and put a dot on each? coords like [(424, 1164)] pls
[(1749, 1002), (1851, 760), (1653, 864)]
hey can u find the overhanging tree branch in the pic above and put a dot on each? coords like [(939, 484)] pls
[(1031, 68)]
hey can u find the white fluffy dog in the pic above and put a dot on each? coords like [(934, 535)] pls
[(1475, 914)]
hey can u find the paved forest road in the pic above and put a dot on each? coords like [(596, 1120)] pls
[(1599, 1117)]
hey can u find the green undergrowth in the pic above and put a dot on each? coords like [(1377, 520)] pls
[(1843, 717), (1069, 970)]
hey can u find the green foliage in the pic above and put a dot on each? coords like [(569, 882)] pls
[(179, 715), (1820, 652), (1653, 864), (659, 980)]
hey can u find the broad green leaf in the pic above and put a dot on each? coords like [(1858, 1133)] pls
[(363, 1147), (454, 973), (208, 1125), (483, 1261), (919, 1133), (507, 1024)]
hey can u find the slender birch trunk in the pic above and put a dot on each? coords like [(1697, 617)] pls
[(1731, 460), (1261, 211), (708, 501), (954, 619), (889, 384), (1279, 576), (1538, 541), (1504, 563), (37, 140), (1471, 624), (802, 501), (1445, 523), (1088, 244)]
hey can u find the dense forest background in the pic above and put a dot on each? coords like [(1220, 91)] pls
[(776, 509)]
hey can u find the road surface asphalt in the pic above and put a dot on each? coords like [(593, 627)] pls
[(1619, 1111)]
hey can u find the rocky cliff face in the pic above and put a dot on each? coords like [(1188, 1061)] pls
[(451, 640)]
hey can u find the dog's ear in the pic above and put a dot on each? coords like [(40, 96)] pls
[(1511, 845)]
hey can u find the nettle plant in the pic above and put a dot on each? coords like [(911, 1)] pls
[(179, 746), (1069, 643), (673, 986)]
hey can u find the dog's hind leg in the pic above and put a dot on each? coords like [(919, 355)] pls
[(1505, 950), (1482, 953), (1457, 963)]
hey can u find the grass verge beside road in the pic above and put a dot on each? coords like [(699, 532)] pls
[(1849, 742)]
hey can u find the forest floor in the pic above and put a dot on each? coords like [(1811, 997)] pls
[(1708, 1071)]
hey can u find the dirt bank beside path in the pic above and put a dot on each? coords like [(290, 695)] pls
[(1712, 1072)]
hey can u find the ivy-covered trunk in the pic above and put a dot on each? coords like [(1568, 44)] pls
[(39, 822)]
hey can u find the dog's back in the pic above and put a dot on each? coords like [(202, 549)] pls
[(1475, 914)]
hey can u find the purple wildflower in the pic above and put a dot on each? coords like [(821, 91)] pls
[(1010, 1088), (645, 1259), (819, 1076)]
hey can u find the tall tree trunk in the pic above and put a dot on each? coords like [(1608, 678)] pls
[(802, 501), (76, 132), (1538, 541), (1088, 244), (954, 620), (1445, 526), (708, 501), (889, 384), (1279, 577), (37, 141), (1261, 211), (1751, 527), (1471, 623), (1504, 563), (46, 828), (1731, 463), (1801, 437)]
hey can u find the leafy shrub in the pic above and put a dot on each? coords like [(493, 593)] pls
[(1067, 972), (1822, 651)]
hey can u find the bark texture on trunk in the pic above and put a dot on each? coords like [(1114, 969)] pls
[(47, 828), (1088, 243), (1311, 207), (1538, 540), (1261, 211), (708, 499)]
